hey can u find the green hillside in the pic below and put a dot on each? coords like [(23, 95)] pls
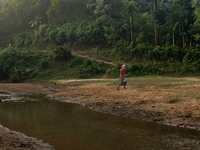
[(151, 36)]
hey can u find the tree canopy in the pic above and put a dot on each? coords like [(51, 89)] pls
[(100, 22)]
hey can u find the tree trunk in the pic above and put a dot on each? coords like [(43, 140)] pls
[(131, 29), (183, 41), (131, 35), (173, 39), (155, 33)]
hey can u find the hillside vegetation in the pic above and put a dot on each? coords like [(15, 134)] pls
[(152, 36)]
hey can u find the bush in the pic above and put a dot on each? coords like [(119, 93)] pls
[(137, 69), (61, 53), (77, 61), (8, 58), (91, 68), (142, 49), (19, 65), (44, 63), (115, 71), (90, 33), (168, 52)]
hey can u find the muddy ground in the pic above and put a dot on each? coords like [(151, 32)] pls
[(161, 105)]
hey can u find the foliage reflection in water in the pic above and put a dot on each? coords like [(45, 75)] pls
[(73, 127)]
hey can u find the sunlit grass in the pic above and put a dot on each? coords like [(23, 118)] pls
[(160, 82), (80, 83), (143, 83)]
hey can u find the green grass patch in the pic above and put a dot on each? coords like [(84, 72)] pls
[(141, 82), (169, 85), (188, 87), (183, 95), (152, 81), (81, 83)]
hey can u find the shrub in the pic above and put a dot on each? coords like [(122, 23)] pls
[(8, 59), (142, 49), (76, 61), (19, 65), (91, 68), (44, 63), (174, 52), (168, 52), (61, 53), (114, 72), (61, 37), (53, 35), (19, 40)]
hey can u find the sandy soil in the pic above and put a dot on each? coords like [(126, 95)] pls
[(150, 103)]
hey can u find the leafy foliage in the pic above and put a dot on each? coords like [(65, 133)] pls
[(91, 68), (127, 28), (61, 53), (35, 22), (16, 65), (8, 60)]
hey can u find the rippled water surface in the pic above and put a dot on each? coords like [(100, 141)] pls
[(72, 127)]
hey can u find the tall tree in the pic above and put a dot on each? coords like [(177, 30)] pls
[(131, 11), (196, 5), (155, 6), (154, 10), (100, 7)]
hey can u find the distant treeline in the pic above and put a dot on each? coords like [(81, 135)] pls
[(122, 23)]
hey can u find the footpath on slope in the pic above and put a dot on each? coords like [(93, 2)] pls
[(92, 56), (80, 54)]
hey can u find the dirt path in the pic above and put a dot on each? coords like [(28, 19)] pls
[(79, 54), (80, 80)]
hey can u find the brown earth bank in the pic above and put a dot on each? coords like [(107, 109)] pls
[(174, 106)]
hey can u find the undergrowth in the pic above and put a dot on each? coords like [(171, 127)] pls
[(18, 65)]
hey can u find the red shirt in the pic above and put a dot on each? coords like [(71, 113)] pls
[(122, 72)]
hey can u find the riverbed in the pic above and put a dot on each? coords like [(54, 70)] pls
[(72, 126), (176, 106)]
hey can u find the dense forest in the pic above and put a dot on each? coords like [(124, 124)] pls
[(150, 31), (96, 22)]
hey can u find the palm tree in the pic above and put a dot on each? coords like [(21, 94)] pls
[(36, 22), (196, 5)]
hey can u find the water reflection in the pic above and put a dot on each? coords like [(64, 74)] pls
[(70, 126)]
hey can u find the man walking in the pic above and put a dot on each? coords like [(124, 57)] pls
[(122, 78)]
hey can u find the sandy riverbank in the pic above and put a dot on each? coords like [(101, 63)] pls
[(161, 105)]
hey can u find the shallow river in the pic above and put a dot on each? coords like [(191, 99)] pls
[(72, 127)]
